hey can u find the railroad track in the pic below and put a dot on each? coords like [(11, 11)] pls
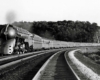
[(10, 58), (34, 63), (7, 59), (10, 62), (15, 55), (56, 68)]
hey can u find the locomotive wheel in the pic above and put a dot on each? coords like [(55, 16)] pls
[(17, 52), (27, 47), (22, 48)]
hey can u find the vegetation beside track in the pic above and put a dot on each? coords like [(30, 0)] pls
[(87, 61), (95, 56)]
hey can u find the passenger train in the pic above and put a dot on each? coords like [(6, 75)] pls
[(15, 40)]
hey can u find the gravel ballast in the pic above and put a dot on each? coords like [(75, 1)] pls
[(83, 68)]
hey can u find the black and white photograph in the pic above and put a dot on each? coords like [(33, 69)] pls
[(49, 40)]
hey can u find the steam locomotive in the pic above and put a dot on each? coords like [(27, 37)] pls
[(15, 40)]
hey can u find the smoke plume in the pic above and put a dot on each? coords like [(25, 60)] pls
[(10, 17)]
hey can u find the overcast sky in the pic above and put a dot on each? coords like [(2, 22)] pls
[(50, 10)]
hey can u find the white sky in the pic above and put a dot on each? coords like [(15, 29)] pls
[(51, 10)]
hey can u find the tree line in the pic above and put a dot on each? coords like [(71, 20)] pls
[(75, 31)]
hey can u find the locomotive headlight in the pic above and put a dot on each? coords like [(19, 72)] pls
[(11, 32)]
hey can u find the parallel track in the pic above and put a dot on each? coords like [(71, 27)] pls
[(10, 58), (7, 62)]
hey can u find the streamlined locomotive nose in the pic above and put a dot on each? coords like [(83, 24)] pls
[(8, 32)]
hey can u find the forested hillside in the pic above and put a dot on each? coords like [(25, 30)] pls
[(76, 31)]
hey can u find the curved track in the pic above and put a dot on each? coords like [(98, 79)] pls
[(56, 68)]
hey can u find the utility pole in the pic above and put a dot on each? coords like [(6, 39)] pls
[(97, 37)]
